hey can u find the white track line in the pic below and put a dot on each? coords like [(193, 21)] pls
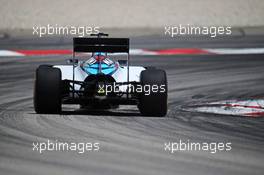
[(232, 107), (235, 51), (10, 53), (217, 51)]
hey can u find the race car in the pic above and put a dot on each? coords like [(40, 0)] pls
[(100, 82)]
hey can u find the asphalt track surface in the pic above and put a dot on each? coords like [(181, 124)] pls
[(130, 143)]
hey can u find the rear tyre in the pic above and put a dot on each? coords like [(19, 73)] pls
[(47, 92), (153, 103)]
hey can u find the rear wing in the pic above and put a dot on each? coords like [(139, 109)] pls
[(111, 45)]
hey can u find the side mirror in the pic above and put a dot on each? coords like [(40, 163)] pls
[(122, 62), (72, 61)]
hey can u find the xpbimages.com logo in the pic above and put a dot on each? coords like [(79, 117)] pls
[(147, 89), (212, 31), (79, 31), (188, 145), (80, 147)]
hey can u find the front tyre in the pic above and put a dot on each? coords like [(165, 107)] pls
[(154, 103), (47, 92)]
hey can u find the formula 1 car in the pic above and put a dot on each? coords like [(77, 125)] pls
[(100, 83)]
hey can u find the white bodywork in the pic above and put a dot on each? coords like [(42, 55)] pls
[(120, 75)]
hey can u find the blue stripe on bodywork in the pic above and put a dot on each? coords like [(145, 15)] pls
[(94, 69)]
